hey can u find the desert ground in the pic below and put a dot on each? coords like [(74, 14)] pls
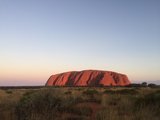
[(79, 103)]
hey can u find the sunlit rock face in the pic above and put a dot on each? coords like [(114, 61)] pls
[(88, 78)]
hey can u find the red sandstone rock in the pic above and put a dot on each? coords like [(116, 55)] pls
[(88, 78)]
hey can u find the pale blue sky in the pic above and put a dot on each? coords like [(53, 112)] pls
[(43, 37)]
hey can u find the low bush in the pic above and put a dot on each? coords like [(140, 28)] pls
[(152, 99), (81, 111), (150, 102), (90, 92), (44, 105), (122, 91), (9, 91), (127, 91), (151, 85), (68, 93), (107, 91), (43, 102)]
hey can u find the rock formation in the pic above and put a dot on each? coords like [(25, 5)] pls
[(88, 78)]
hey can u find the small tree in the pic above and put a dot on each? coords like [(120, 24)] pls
[(152, 85), (144, 84)]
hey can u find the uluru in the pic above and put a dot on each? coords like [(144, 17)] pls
[(88, 78)]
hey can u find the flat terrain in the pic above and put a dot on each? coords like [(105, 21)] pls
[(79, 103)]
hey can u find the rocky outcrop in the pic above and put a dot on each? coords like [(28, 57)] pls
[(88, 78)]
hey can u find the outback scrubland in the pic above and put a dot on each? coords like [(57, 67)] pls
[(80, 103)]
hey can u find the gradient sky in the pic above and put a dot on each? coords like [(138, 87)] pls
[(43, 37)]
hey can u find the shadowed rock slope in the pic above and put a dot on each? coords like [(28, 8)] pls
[(88, 78)]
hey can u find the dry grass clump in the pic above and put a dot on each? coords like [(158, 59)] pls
[(83, 103), (45, 104), (129, 106)]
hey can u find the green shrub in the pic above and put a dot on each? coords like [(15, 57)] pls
[(9, 91), (152, 99), (127, 91), (43, 102), (150, 102), (29, 92), (109, 91), (68, 93), (122, 91), (81, 111), (90, 92), (79, 89), (91, 95), (68, 102), (151, 85)]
